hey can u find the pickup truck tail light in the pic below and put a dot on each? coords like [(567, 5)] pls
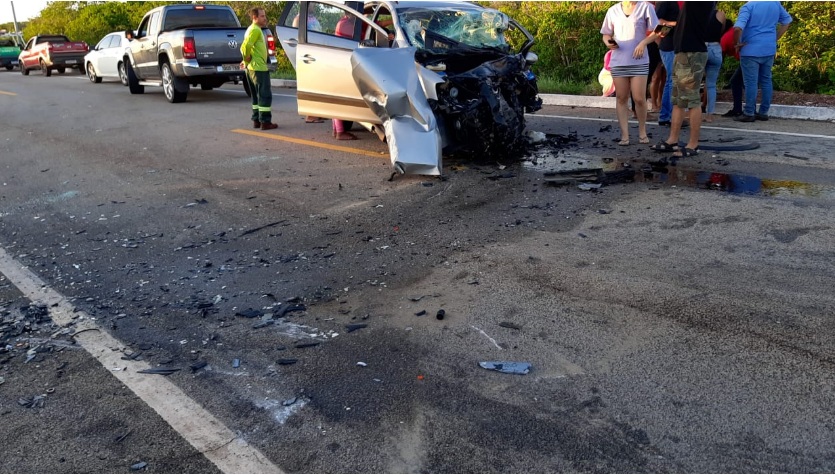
[(271, 45), (189, 50)]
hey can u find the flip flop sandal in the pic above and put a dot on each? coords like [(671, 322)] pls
[(686, 152), (643, 140), (664, 147), (623, 143)]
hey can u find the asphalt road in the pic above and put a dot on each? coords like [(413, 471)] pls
[(671, 326)]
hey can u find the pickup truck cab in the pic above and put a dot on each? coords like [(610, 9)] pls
[(10, 50), (52, 52), (178, 46)]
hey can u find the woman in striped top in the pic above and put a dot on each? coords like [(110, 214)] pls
[(627, 30)]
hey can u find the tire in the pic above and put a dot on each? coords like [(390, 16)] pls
[(44, 70), (123, 75), (347, 124), (172, 86), (9, 67), (91, 74), (61, 70), (133, 81), (23, 70), (246, 88)]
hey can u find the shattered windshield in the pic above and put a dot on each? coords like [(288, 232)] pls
[(479, 28)]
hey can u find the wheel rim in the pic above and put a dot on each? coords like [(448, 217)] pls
[(122, 74), (90, 73), (167, 82)]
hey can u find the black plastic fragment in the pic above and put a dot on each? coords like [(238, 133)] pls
[(162, 371), (309, 344), (510, 325), (421, 313), (138, 466), (249, 313), (352, 327), (287, 361), (196, 366), (285, 309)]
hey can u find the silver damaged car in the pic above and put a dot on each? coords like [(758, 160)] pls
[(428, 77)]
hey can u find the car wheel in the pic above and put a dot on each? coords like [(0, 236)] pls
[(61, 70), (247, 90), (347, 124), (172, 86), (44, 70), (9, 67), (133, 81), (23, 70), (91, 74), (123, 75)]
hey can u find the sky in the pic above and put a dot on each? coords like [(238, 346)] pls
[(25, 9)]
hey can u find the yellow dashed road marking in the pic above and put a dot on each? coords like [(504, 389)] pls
[(310, 143)]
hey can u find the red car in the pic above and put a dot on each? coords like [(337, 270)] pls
[(52, 52)]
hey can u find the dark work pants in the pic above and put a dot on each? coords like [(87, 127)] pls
[(262, 95)]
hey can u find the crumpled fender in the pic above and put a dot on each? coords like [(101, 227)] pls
[(389, 83)]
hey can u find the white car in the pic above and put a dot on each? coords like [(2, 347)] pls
[(105, 60)]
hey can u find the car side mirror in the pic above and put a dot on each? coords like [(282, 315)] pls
[(531, 58)]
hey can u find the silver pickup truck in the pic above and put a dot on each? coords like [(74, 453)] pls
[(178, 46)]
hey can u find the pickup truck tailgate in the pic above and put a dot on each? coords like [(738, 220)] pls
[(73, 47), (218, 46)]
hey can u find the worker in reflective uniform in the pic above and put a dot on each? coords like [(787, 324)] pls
[(254, 52)]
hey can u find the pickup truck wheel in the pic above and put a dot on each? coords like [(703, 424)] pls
[(133, 81), (246, 88), (9, 67), (61, 70), (91, 74), (172, 85), (45, 70), (123, 75)]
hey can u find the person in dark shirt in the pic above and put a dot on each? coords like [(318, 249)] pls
[(667, 15), (689, 38)]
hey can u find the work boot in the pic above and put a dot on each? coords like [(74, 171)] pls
[(745, 118), (268, 126), (762, 117), (732, 113), (256, 124)]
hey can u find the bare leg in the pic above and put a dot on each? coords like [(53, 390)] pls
[(695, 127), (675, 124), (622, 91), (639, 95)]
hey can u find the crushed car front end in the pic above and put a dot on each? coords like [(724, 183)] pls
[(483, 89)]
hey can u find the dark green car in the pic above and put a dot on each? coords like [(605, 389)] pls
[(9, 51)]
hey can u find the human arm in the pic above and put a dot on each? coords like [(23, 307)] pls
[(247, 46), (781, 30)]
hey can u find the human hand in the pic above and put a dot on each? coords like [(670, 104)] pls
[(639, 51), (612, 44)]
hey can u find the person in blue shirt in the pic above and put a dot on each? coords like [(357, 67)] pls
[(756, 31)]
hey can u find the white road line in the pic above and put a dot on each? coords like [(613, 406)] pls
[(733, 129), (208, 435)]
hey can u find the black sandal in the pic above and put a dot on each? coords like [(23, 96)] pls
[(686, 152), (664, 147)]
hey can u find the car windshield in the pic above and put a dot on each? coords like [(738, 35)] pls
[(7, 43), (475, 27)]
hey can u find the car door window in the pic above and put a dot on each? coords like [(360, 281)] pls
[(154, 25), (142, 31), (291, 20), (329, 25)]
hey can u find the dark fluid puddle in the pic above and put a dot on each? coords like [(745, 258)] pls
[(565, 161)]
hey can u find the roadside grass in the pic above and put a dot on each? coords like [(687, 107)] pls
[(284, 74), (552, 85)]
